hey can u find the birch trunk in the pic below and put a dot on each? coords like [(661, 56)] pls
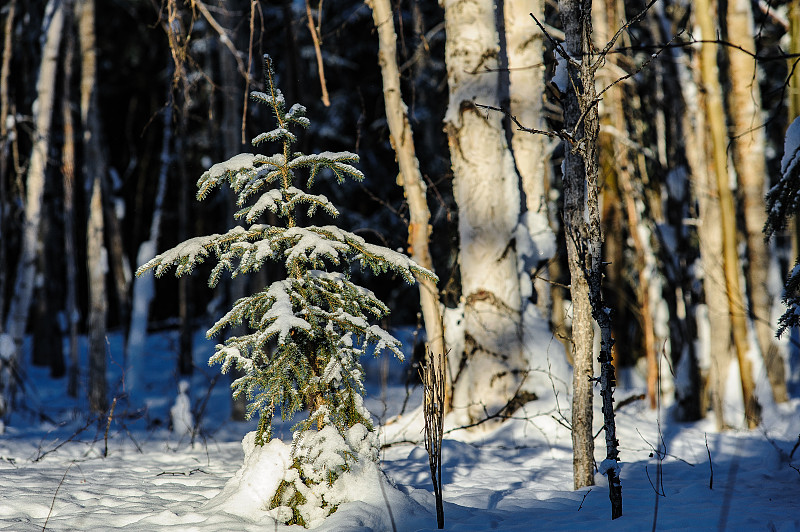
[(410, 178), (488, 373), (94, 169), (716, 121), (26, 267), (681, 108), (716, 299), (750, 163), (524, 51), (526, 86), (5, 144)]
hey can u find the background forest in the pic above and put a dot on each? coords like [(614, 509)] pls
[(110, 111)]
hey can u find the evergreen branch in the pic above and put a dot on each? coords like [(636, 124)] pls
[(276, 100), (280, 134), (219, 172), (337, 162)]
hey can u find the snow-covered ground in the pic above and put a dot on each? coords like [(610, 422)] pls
[(518, 476)]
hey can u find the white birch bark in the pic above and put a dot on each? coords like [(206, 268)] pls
[(410, 177), (523, 42), (750, 162), (488, 372), (26, 267)]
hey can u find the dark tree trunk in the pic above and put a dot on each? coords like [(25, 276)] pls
[(69, 213), (584, 242)]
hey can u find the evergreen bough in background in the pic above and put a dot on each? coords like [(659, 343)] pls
[(307, 330)]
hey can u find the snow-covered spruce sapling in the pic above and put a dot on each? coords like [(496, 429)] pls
[(307, 330)]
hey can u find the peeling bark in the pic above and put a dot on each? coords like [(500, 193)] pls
[(486, 190)]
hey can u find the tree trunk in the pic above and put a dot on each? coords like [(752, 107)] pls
[(523, 49), (236, 288), (526, 85), (5, 143), (576, 231), (486, 188), (793, 97), (715, 352), (750, 163), (26, 267), (47, 335), (94, 169), (410, 178), (716, 121), (682, 110), (144, 286), (584, 231), (632, 199), (118, 267), (68, 175), (185, 307)]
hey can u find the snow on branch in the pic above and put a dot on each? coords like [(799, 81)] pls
[(783, 201)]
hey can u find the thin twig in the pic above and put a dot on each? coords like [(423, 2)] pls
[(247, 72), (796, 445), (108, 426), (41, 455), (182, 473), (620, 31), (52, 504), (223, 36), (318, 51), (641, 67), (520, 127), (710, 465), (584, 498)]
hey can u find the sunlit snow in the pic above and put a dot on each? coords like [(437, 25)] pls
[(512, 477)]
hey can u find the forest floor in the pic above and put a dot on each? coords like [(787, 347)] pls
[(60, 471)]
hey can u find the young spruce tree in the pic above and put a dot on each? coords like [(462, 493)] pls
[(307, 330)]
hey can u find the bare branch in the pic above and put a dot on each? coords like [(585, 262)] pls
[(223, 36), (318, 51), (619, 33), (521, 127)]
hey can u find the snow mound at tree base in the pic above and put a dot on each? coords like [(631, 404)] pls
[(370, 501), (247, 494)]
